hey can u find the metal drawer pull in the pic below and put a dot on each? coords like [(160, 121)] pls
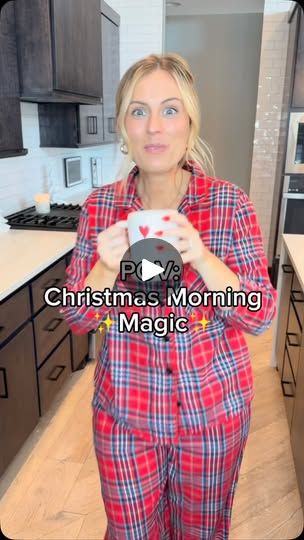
[(294, 298), (284, 393), (92, 125), (5, 395), (53, 324), (111, 124), (51, 282), (51, 377), (287, 269), (296, 339)]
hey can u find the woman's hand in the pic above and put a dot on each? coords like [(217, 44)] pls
[(190, 245), (112, 243)]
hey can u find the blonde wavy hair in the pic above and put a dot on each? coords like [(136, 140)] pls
[(197, 150)]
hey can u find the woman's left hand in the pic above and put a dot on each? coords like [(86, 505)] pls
[(189, 244)]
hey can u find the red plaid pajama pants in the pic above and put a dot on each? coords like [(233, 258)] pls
[(161, 492)]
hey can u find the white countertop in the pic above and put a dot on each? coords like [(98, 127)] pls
[(26, 253), (295, 247)]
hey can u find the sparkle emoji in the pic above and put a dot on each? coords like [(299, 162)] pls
[(108, 322)]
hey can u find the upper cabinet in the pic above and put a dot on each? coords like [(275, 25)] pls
[(110, 68), (11, 143), (298, 88), (77, 125), (59, 47)]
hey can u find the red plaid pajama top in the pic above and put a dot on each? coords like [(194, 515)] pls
[(162, 388)]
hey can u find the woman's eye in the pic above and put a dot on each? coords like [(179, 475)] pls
[(171, 110), (138, 112)]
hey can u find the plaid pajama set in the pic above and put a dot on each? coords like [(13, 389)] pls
[(171, 415)]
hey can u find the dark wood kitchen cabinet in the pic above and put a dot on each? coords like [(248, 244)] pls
[(298, 87), (11, 142), (291, 354), (286, 273), (19, 407), (75, 125), (59, 45), (69, 125), (110, 21), (38, 353)]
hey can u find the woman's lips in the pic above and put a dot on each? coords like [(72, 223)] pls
[(155, 148)]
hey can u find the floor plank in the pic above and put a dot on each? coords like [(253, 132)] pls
[(51, 490)]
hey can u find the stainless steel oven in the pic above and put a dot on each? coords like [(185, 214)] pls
[(291, 219), (295, 146)]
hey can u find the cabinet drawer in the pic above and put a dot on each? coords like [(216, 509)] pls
[(80, 347), (297, 297), (14, 312), (288, 388), (50, 327), (54, 277), (53, 374)]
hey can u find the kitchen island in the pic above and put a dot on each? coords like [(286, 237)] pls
[(288, 344)]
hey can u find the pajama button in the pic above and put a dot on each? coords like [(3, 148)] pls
[(169, 371), (178, 403)]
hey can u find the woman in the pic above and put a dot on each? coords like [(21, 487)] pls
[(171, 416)]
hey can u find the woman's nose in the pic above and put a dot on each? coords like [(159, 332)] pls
[(154, 123)]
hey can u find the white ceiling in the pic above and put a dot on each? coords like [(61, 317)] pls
[(204, 7)]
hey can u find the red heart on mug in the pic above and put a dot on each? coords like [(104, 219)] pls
[(159, 233), (144, 229)]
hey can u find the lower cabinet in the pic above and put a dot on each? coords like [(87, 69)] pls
[(54, 373), (19, 409), (38, 353)]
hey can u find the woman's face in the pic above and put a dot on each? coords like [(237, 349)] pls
[(157, 123)]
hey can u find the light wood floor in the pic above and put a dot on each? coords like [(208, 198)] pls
[(51, 490)]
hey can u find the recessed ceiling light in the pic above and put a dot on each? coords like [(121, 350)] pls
[(173, 4)]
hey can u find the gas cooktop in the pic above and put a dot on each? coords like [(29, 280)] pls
[(62, 217)]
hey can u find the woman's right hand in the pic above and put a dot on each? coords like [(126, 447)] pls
[(112, 243)]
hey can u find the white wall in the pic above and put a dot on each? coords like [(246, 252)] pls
[(41, 169), (223, 51)]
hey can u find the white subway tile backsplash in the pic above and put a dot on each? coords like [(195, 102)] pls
[(267, 147)]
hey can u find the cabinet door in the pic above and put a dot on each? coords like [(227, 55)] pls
[(90, 124), (19, 412), (77, 46), (110, 75), (10, 115), (298, 97)]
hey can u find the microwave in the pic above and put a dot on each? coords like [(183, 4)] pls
[(295, 144)]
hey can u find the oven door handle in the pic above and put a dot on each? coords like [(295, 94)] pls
[(293, 196)]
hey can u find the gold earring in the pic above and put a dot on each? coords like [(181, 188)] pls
[(124, 149)]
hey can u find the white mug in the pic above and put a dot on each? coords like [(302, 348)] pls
[(151, 224)]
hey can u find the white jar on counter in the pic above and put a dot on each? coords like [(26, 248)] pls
[(42, 203)]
